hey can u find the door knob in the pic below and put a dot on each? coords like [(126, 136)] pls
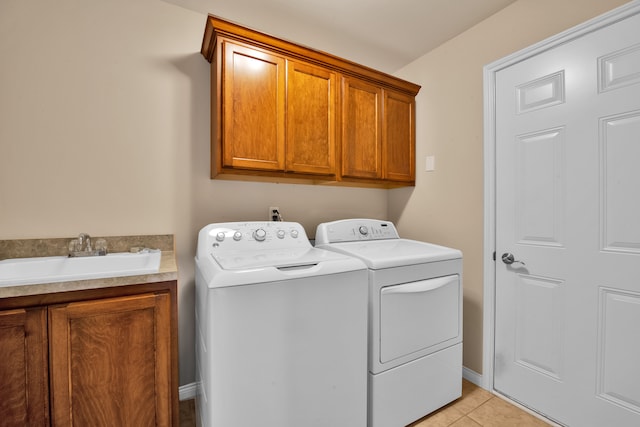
[(509, 259)]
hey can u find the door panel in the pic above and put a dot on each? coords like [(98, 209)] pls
[(539, 325), (618, 367), (539, 201), (619, 181), (567, 206)]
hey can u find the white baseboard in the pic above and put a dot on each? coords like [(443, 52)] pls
[(472, 376), (187, 391)]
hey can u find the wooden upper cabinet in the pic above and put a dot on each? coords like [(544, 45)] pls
[(361, 129), (378, 133), (253, 101), (311, 119), (398, 136), (281, 111)]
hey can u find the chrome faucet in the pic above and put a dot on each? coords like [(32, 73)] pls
[(81, 246), (84, 242)]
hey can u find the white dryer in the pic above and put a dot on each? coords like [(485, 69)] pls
[(281, 329), (415, 318)]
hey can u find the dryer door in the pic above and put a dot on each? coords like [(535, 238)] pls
[(418, 315)]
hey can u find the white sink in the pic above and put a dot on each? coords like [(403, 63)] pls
[(26, 271)]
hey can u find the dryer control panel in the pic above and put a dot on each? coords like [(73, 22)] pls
[(354, 230)]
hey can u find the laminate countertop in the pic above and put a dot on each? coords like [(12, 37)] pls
[(28, 248)]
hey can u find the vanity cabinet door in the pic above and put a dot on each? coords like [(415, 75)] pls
[(110, 361), (361, 129), (311, 123), (399, 138), (253, 108), (23, 371)]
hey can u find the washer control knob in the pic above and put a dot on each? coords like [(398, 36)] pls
[(220, 236), (237, 236), (294, 234), (280, 234), (363, 230), (260, 234)]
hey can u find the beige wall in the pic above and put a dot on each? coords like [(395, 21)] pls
[(446, 205), (104, 128)]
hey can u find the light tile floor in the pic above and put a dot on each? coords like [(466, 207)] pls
[(476, 408)]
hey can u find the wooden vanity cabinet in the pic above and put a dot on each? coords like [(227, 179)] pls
[(110, 354), (281, 110), (110, 361), (24, 393)]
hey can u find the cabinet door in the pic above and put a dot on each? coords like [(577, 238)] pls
[(399, 137), (253, 108), (23, 368), (311, 131), (361, 129), (110, 362)]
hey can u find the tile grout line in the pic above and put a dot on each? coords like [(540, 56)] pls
[(478, 407)]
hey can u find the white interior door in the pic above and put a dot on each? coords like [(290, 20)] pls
[(567, 318)]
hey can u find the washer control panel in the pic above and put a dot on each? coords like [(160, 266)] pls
[(354, 230), (250, 236), (257, 245)]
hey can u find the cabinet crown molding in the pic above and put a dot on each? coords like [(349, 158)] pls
[(218, 27)]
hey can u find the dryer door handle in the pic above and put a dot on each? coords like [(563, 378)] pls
[(421, 286)]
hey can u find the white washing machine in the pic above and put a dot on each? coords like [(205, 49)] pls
[(415, 318), (281, 329)]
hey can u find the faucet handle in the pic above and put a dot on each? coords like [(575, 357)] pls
[(84, 241), (101, 246), (74, 245)]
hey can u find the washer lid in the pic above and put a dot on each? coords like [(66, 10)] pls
[(256, 267), (378, 254), (279, 258)]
